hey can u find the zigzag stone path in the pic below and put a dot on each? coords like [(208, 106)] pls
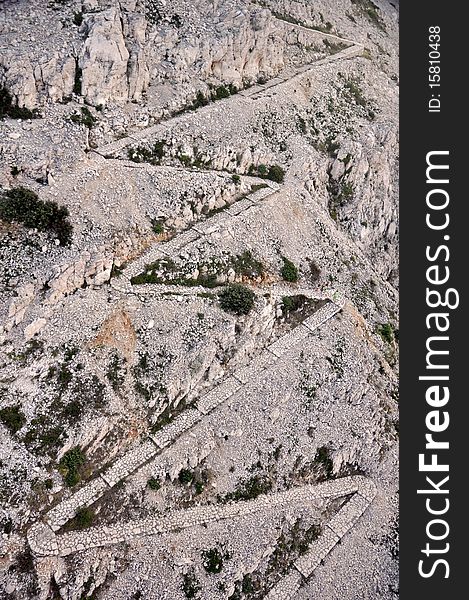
[(141, 454), (42, 537), (44, 542), (173, 247), (255, 92)]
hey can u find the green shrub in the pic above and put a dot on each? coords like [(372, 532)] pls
[(246, 265), (199, 100), (84, 117), (236, 179), (8, 109), (70, 465), (386, 331), (222, 92), (292, 303), (185, 476), (276, 173), (78, 18), (13, 418), (84, 517), (273, 172), (289, 271), (237, 298), (190, 585), (212, 560), (249, 489), (154, 484), (24, 206)]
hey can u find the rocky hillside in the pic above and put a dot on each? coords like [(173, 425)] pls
[(198, 298)]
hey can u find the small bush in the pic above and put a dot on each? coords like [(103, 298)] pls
[(70, 465), (84, 117), (249, 489), (237, 298), (77, 80), (78, 18), (13, 418), (386, 331), (190, 585), (292, 303), (276, 173), (23, 206), (236, 179), (154, 484), (84, 517), (199, 100), (212, 560), (289, 271), (185, 476), (246, 265), (222, 92), (157, 226), (273, 172)]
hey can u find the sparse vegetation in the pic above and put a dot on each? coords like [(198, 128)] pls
[(273, 172), (22, 205), (355, 91), (370, 11), (291, 544), (84, 117), (43, 436), (154, 484), (340, 193), (247, 266), (237, 298), (196, 479), (190, 585), (152, 155), (70, 465), (289, 271), (116, 372), (84, 517), (213, 560), (387, 333), (249, 489), (13, 418)]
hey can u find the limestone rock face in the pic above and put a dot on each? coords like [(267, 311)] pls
[(125, 339), (104, 59), (18, 77)]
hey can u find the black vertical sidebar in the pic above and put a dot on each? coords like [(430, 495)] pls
[(423, 131)]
